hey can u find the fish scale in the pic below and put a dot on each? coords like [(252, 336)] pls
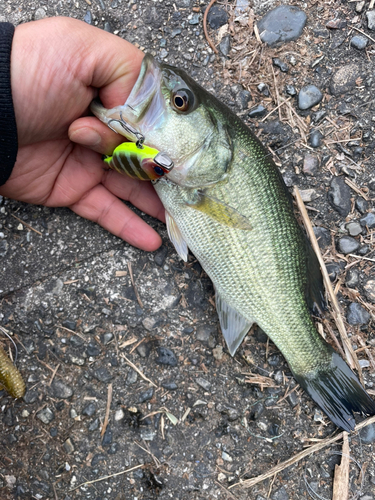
[(225, 200)]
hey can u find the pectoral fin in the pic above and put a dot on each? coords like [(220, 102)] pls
[(220, 211), (176, 237), (233, 325)]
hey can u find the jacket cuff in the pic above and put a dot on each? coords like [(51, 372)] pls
[(8, 127)]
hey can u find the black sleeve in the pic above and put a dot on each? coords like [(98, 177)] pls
[(8, 127)]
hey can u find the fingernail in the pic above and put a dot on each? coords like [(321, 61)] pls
[(86, 137)]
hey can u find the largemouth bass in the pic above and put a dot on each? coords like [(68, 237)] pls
[(226, 201)]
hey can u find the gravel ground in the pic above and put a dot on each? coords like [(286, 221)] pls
[(185, 416)]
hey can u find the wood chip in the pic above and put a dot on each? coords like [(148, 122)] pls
[(341, 479), (106, 418)]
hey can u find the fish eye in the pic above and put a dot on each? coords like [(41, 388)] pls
[(182, 100), (158, 171)]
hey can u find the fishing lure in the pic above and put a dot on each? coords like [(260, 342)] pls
[(10, 377), (139, 161)]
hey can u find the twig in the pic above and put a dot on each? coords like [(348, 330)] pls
[(356, 188), (133, 283), (107, 477), (341, 479), (350, 354), (248, 483), (132, 365), (226, 490), (106, 418), (53, 374), (26, 224), (210, 43)]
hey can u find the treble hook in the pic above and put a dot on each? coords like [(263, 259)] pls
[(128, 128)]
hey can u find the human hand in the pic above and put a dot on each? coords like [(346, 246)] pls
[(57, 65)]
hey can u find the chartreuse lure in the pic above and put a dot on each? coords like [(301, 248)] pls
[(139, 161)]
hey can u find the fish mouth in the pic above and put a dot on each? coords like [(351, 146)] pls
[(145, 105)]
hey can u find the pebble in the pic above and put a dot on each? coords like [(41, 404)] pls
[(368, 220), (107, 438), (310, 164), (344, 79), (357, 315), (175, 32), (98, 457), (347, 244), (217, 17), (363, 250), (46, 415), (119, 414), (146, 395), (93, 349), (333, 270), (257, 112), (359, 6), (284, 68), (309, 96), (361, 205), (264, 89), (148, 434), (290, 90), (370, 19), (339, 196), (353, 228), (226, 457), (319, 115), (370, 290), (195, 19), (352, 278), (224, 45), (364, 363), (107, 337), (241, 7), (205, 334), (293, 399), (367, 434), (323, 236), (3, 248), (88, 17), (30, 397), (102, 374), (202, 382), (315, 138), (281, 25), (280, 494), (149, 323), (40, 14), (144, 349), (94, 425), (89, 410), (68, 446), (131, 377), (113, 449), (243, 99), (166, 357), (161, 254), (108, 27), (359, 42), (9, 419), (170, 386), (218, 353)]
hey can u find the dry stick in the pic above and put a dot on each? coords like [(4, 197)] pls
[(248, 483), (133, 283), (107, 477), (334, 338), (356, 188), (226, 490), (282, 102), (106, 418), (132, 365), (27, 225), (350, 354), (341, 479), (210, 43)]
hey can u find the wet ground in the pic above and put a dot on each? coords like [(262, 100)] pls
[(124, 375)]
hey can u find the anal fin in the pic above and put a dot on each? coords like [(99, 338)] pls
[(176, 237), (233, 325)]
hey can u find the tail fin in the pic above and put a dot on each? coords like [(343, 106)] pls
[(338, 392)]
